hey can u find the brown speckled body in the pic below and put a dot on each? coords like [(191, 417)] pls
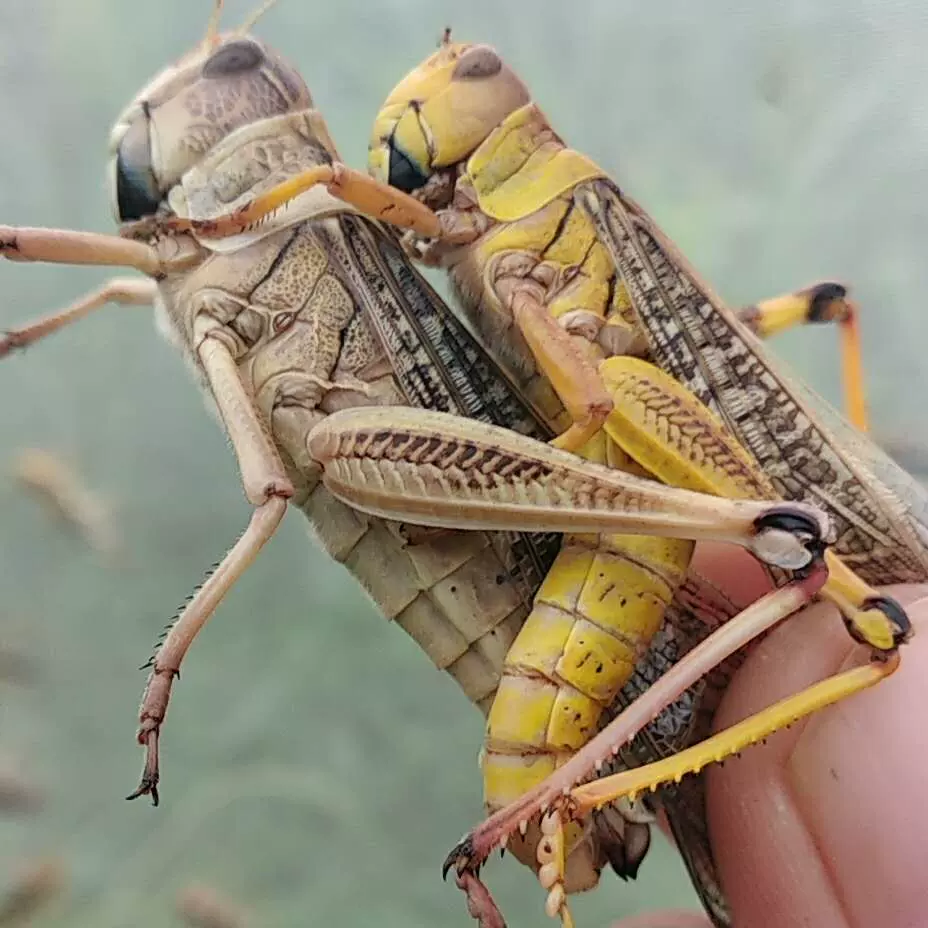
[(324, 312)]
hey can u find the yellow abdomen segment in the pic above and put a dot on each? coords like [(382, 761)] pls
[(592, 620), (604, 598)]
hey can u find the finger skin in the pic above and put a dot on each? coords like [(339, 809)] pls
[(824, 825)]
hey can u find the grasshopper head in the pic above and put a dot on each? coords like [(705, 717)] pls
[(441, 112), (227, 81)]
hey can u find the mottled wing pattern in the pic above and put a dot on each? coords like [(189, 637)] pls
[(697, 339), (439, 364)]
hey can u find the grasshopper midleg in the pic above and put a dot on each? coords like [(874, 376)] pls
[(315, 311), (123, 291)]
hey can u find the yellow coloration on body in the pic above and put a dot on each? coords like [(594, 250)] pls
[(605, 596), (523, 238), (734, 739), (436, 118), (660, 424), (513, 175), (524, 183), (588, 287), (593, 617)]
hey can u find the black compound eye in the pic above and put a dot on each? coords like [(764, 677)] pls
[(137, 193), (233, 58), (404, 174)]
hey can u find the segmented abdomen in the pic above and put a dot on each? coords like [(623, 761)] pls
[(461, 596)]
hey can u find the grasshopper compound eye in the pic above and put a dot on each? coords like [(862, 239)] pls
[(405, 174), (478, 61), (234, 58), (137, 191)]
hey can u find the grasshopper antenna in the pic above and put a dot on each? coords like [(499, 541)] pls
[(212, 25), (254, 16)]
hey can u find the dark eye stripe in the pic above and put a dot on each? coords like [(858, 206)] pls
[(137, 192), (404, 174)]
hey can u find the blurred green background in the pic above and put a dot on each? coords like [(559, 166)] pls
[(316, 767)]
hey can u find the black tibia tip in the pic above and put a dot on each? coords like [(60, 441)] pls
[(898, 619), (460, 857), (825, 301), (796, 522)]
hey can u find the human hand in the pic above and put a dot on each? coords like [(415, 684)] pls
[(825, 825)]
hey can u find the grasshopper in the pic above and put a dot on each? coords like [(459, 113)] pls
[(319, 310), (579, 286)]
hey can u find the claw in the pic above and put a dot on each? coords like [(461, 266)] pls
[(148, 785), (460, 858)]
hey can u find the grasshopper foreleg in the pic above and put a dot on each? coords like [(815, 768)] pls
[(67, 246), (353, 187), (569, 365), (268, 489)]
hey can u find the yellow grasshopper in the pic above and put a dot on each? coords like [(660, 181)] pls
[(557, 266), (320, 311)]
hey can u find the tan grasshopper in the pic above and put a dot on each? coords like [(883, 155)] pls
[(319, 311), (556, 265)]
